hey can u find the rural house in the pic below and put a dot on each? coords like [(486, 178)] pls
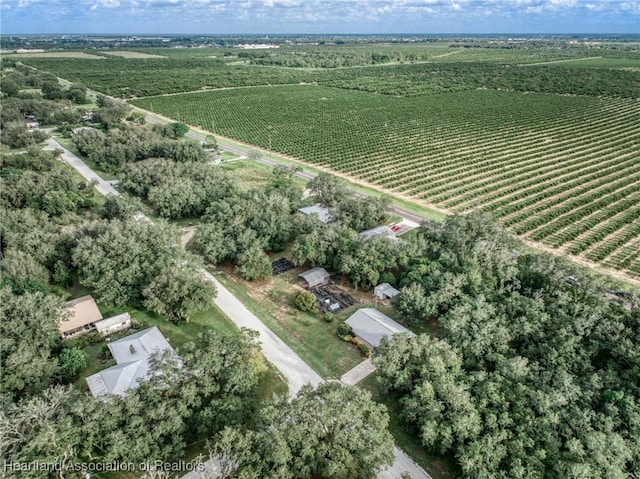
[(132, 355), (377, 231), (83, 318), (322, 212), (371, 326)]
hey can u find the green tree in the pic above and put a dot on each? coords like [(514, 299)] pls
[(119, 259), (22, 273), (330, 431), (306, 301), (330, 190), (28, 330), (179, 129), (254, 264), (71, 361), (178, 292)]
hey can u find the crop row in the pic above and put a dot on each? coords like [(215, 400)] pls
[(552, 166)]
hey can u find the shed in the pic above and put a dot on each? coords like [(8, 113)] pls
[(133, 365), (322, 212), (315, 277), (371, 325), (84, 315), (385, 291), (377, 231), (114, 324)]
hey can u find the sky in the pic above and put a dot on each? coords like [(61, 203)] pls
[(319, 16)]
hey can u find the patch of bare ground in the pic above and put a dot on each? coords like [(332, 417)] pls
[(129, 54)]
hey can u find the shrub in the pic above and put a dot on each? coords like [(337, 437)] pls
[(306, 301), (344, 330), (364, 349), (328, 317)]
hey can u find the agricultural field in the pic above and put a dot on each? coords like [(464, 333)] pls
[(544, 136), (563, 171)]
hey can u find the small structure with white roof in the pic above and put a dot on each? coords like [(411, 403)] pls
[(371, 326), (114, 324), (385, 291)]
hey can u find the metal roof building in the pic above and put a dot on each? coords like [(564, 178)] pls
[(132, 357), (322, 212), (315, 277), (371, 325), (84, 314), (385, 291), (378, 230)]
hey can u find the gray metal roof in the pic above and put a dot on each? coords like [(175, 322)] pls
[(112, 321), (371, 325), (322, 212), (385, 290), (132, 355), (378, 230), (315, 276)]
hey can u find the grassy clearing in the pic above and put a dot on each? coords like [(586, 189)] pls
[(308, 335)]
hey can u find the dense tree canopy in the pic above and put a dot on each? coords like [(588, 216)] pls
[(119, 259), (178, 292), (330, 431), (28, 330), (539, 370)]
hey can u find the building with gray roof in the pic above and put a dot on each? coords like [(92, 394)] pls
[(371, 326), (385, 291), (315, 277), (322, 212), (132, 355), (378, 231)]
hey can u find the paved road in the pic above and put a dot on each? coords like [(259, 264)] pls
[(104, 187), (277, 352), (293, 368), (358, 373), (409, 215)]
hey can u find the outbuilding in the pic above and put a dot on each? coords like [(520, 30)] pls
[(371, 326), (385, 291), (315, 277), (114, 324)]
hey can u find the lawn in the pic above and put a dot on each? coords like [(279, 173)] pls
[(315, 340), (406, 437)]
